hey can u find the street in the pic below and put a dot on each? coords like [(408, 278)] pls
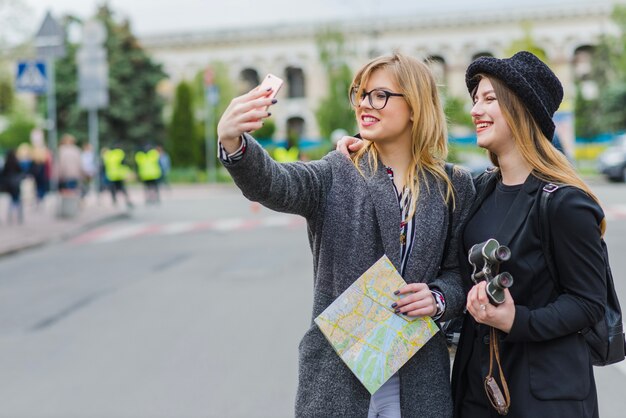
[(194, 308)]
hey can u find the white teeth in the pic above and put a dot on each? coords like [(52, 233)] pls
[(483, 125), (369, 119)]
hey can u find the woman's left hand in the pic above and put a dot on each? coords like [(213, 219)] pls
[(419, 301), (500, 317)]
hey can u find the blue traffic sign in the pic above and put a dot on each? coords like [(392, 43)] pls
[(31, 77)]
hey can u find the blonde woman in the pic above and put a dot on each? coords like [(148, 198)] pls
[(389, 198)]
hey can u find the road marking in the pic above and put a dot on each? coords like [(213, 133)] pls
[(114, 232)]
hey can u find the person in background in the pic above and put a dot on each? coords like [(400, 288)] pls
[(11, 177), (88, 167), (166, 165), (389, 198), (70, 170), (149, 173), (116, 173)]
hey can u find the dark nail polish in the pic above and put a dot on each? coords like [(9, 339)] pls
[(274, 101), (397, 292), (397, 311), (404, 313), (268, 89), (393, 305), (269, 114)]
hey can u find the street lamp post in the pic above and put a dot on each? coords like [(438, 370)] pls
[(50, 44), (212, 98)]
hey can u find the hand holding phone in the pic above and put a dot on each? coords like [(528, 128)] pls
[(273, 82)]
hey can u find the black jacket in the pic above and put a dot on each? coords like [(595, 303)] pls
[(545, 359)]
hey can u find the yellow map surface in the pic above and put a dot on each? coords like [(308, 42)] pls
[(366, 333)]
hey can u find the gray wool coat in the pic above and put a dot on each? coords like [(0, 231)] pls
[(352, 221)]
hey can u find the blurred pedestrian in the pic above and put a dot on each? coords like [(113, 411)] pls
[(88, 168), (69, 166), (41, 169), (149, 173), (116, 173), (165, 163), (399, 187), (11, 178)]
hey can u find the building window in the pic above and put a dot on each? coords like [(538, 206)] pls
[(583, 60), (295, 82), (295, 130), (249, 79), (482, 54)]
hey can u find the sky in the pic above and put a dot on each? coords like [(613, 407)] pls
[(159, 16)]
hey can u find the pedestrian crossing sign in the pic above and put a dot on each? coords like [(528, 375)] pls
[(31, 77)]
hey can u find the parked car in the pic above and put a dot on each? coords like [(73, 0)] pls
[(612, 162)]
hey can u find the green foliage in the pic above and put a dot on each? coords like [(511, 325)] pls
[(20, 124), (527, 43), (182, 141), (595, 116), (6, 94), (133, 116), (335, 111), (456, 112), (587, 116), (266, 131)]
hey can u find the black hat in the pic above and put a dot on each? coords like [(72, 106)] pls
[(529, 78)]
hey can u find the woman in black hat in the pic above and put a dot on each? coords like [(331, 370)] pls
[(544, 359), (541, 364)]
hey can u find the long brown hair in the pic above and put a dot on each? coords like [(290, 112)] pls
[(429, 146), (548, 163)]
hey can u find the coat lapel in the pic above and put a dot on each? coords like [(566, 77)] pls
[(387, 209)]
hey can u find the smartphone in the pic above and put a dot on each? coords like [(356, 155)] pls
[(272, 81)]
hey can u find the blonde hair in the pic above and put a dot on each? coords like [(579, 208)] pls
[(548, 163), (429, 145)]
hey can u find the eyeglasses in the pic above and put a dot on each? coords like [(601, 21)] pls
[(377, 98)]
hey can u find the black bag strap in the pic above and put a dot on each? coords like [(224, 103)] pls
[(545, 232)]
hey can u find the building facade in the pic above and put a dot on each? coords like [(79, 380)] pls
[(566, 30)]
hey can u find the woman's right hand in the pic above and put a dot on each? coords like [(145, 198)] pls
[(243, 114), (348, 144)]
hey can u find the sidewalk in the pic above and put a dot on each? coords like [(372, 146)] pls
[(42, 225)]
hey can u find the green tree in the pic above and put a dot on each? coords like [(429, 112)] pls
[(182, 143), (19, 125), (527, 43), (266, 131), (334, 111), (609, 72), (134, 114)]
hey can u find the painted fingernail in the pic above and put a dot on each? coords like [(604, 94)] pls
[(397, 311), (274, 101), (269, 114), (268, 89), (397, 292), (393, 305), (404, 313)]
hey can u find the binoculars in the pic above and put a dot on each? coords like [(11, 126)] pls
[(485, 258)]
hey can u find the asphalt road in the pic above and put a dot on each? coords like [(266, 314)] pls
[(191, 309)]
